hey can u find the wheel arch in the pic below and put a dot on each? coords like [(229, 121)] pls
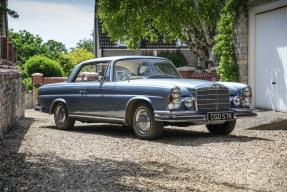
[(54, 104), (132, 103)]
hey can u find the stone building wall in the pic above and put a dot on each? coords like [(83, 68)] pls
[(241, 44), (11, 96)]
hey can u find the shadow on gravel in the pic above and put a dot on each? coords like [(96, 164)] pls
[(170, 136), (278, 124), (48, 172), (10, 159), (195, 138), (109, 130)]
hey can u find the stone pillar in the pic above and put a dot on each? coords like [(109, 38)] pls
[(241, 44), (9, 51), (4, 48), (14, 57), (37, 81)]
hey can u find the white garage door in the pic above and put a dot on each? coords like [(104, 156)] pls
[(271, 60)]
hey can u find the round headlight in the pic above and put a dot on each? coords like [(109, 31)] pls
[(174, 99), (236, 101), (247, 92), (188, 102), (176, 93), (247, 101)]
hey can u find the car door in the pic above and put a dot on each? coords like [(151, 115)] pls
[(98, 99), (95, 93)]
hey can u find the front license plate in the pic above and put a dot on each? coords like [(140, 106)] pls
[(220, 116)]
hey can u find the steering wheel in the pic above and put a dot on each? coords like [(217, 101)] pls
[(126, 76)]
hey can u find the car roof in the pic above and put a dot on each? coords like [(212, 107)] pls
[(114, 58)]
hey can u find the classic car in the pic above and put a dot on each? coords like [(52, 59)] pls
[(146, 93)]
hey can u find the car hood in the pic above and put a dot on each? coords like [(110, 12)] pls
[(187, 85)]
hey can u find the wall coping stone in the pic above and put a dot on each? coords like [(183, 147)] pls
[(37, 75)]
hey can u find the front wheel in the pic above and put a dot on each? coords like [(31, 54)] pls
[(62, 120), (144, 125), (222, 129)]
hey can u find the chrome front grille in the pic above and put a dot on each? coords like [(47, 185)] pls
[(212, 98)]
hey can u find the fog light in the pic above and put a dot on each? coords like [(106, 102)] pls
[(247, 92)]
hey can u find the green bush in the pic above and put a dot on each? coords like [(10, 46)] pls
[(176, 57), (44, 65), (28, 83)]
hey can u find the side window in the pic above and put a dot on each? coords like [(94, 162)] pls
[(91, 72)]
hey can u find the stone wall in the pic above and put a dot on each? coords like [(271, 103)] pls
[(11, 96), (241, 45)]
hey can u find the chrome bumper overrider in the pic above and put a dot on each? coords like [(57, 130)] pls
[(38, 108)]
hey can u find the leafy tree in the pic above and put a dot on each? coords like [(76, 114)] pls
[(55, 46), (85, 44), (75, 57), (11, 13), (193, 21), (55, 50), (26, 43), (44, 65)]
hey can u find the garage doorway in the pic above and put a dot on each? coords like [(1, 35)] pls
[(271, 59)]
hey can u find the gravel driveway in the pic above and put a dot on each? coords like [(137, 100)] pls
[(35, 156)]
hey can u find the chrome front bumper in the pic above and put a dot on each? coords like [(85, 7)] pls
[(178, 116), (244, 112), (192, 116)]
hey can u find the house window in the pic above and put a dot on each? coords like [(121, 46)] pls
[(121, 44), (179, 43)]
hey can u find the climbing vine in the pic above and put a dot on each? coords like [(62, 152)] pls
[(224, 40)]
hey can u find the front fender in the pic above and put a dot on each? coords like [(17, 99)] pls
[(54, 103), (131, 105)]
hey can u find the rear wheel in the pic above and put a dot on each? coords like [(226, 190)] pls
[(144, 125), (62, 120), (222, 129)]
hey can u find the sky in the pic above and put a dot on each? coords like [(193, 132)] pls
[(66, 21)]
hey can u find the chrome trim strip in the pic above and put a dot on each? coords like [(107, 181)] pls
[(103, 119)]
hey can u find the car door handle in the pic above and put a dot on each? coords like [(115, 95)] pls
[(82, 91)]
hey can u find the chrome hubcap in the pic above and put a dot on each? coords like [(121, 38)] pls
[(60, 115), (143, 122)]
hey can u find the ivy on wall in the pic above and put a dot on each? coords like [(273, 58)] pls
[(224, 46)]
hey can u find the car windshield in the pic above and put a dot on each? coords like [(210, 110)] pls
[(144, 68)]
